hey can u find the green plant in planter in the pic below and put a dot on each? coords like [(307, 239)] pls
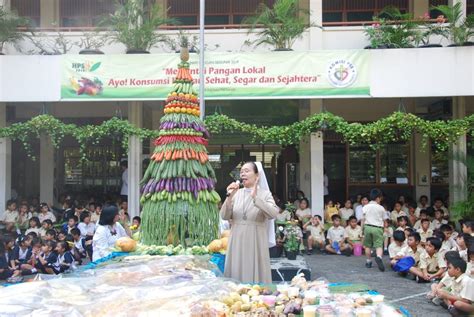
[(392, 29), (464, 209), (279, 26), (92, 42), (9, 23), (135, 25), (459, 29), (428, 29), (291, 239)]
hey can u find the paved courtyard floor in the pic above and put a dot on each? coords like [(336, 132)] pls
[(401, 291)]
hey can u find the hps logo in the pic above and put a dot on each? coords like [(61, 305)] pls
[(85, 67), (341, 73)]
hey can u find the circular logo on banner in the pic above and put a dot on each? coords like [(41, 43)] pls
[(342, 73)]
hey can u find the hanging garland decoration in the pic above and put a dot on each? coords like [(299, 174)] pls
[(399, 126)]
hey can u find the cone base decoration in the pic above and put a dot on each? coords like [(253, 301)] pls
[(178, 196)]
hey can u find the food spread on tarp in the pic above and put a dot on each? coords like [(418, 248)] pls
[(181, 285)]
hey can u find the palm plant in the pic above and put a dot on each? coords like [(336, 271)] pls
[(460, 29), (134, 24), (465, 209), (279, 26), (9, 23)]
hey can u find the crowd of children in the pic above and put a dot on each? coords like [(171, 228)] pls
[(42, 239), (419, 239)]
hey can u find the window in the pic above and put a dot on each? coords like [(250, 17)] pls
[(394, 164), (439, 167), (433, 3), (28, 9), (362, 162), (470, 6), (358, 10), (387, 165), (84, 13), (218, 12)]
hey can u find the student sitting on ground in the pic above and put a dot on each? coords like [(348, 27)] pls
[(413, 249), (316, 234), (398, 243), (425, 231), (407, 232), (86, 226), (353, 233), (432, 264), (462, 242), (346, 212), (21, 252), (448, 241), (71, 224), (387, 235), (423, 215), (412, 217), (397, 212), (329, 211), (336, 238), (82, 248), (50, 235), (10, 217), (45, 226), (46, 258), (402, 223), (468, 227), (446, 281), (34, 226), (459, 300), (64, 260), (438, 219)]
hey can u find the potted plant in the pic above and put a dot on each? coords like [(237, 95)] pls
[(292, 245), (279, 26), (9, 23), (459, 29), (134, 24), (44, 44), (91, 42), (424, 34), (392, 29)]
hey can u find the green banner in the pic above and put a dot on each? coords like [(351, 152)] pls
[(227, 75)]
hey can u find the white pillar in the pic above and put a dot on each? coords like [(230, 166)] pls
[(457, 166), (317, 162), (135, 117), (5, 3), (5, 163), (422, 168), (305, 154), (46, 170), (464, 5), (316, 18)]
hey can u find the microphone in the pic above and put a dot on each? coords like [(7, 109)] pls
[(232, 190)]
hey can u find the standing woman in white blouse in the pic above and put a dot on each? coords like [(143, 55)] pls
[(107, 233)]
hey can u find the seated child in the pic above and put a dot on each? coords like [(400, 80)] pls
[(459, 300), (346, 212), (468, 227), (398, 243), (35, 226), (425, 231), (462, 242), (64, 259), (438, 219), (445, 282), (46, 258), (6, 271), (21, 252), (353, 234), (82, 248), (423, 215), (330, 211), (412, 217), (71, 224), (397, 212), (87, 227), (45, 226), (448, 242), (283, 215), (402, 223), (95, 216), (407, 232), (50, 235), (35, 250), (316, 234), (413, 249), (432, 264), (387, 235), (336, 238)]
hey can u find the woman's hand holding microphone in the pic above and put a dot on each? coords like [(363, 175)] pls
[(233, 188)]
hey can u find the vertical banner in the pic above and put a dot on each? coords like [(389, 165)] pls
[(227, 75)]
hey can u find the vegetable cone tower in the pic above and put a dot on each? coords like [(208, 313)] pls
[(178, 196)]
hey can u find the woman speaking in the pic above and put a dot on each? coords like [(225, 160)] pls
[(250, 209)]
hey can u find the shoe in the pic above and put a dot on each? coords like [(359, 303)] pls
[(403, 274), (385, 252), (338, 252), (420, 280), (348, 252), (437, 301), (309, 252), (380, 264), (368, 264)]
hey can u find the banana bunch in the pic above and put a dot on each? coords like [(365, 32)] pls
[(184, 87)]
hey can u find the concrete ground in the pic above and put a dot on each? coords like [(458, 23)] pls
[(401, 291)]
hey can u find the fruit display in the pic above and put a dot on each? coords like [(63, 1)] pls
[(126, 244), (219, 245), (177, 194), (171, 250)]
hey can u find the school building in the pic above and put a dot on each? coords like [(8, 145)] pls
[(433, 83)]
